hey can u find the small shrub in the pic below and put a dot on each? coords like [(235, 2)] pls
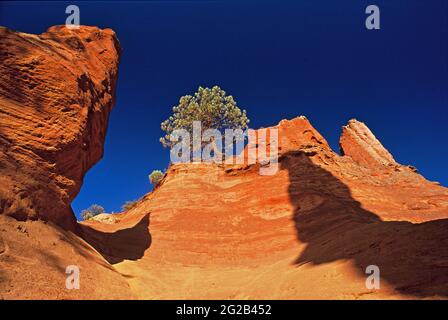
[(92, 211), (155, 177), (128, 205), (86, 215)]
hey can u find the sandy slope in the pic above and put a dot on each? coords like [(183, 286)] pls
[(33, 259)]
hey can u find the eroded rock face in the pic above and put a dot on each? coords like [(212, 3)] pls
[(299, 134), (208, 231), (359, 143), (56, 92), (309, 231)]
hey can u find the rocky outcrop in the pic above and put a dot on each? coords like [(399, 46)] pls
[(309, 231), (56, 92), (299, 134), (105, 218), (207, 231), (359, 143), (226, 232)]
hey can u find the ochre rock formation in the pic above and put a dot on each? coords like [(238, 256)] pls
[(56, 92), (207, 231), (309, 231), (358, 142)]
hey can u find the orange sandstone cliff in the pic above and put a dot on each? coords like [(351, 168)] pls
[(309, 231), (207, 231), (56, 92)]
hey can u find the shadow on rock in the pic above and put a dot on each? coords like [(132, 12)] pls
[(412, 258), (124, 244)]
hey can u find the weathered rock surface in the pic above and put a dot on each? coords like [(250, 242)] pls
[(56, 92), (298, 134), (105, 218), (207, 231), (226, 232), (309, 231), (359, 143)]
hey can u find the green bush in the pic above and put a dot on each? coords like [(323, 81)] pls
[(128, 205), (92, 211), (155, 177)]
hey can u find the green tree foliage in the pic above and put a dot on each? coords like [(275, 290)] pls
[(155, 177), (92, 211), (212, 107)]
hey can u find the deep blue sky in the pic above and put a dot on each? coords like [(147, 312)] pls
[(279, 60)]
